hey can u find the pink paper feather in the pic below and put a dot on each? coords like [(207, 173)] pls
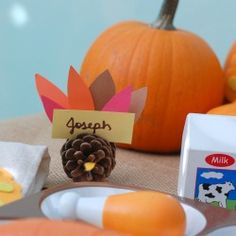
[(119, 102), (49, 107)]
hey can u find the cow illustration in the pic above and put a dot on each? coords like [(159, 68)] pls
[(215, 193)]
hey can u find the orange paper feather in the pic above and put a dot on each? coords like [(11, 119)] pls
[(48, 89), (79, 95)]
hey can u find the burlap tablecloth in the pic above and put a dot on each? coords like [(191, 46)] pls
[(154, 171)]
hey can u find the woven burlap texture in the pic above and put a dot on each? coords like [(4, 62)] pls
[(159, 172)]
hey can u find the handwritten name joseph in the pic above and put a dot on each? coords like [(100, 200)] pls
[(72, 125)]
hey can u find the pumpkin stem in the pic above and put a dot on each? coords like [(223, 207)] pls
[(166, 16)]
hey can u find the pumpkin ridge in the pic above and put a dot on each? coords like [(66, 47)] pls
[(111, 43), (189, 85), (200, 64), (130, 56), (180, 95), (139, 40), (168, 92), (211, 58), (146, 75), (230, 56), (195, 47), (125, 29), (149, 53), (189, 53), (152, 95)]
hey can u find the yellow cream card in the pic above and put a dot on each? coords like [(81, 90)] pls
[(112, 126)]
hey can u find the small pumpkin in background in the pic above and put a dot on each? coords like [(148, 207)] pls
[(227, 109), (230, 74), (181, 71)]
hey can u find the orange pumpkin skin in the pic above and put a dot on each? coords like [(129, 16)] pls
[(230, 56), (180, 70), (230, 74), (44, 227)]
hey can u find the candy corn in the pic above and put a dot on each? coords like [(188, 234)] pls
[(136, 213)]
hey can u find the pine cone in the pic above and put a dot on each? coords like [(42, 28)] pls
[(88, 157)]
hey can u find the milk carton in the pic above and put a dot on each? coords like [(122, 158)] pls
[(207, 166)]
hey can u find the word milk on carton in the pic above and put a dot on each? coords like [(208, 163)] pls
[(208, 160)]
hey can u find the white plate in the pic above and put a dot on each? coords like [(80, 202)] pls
[(196, 221)]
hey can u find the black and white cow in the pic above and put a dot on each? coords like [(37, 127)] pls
[(215, 193)]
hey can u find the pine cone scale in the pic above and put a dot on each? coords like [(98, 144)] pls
[(86, 148), (70, 165), (96, 145), (78, 155), (91, 158), (76, 144), (68, 144), (99, 170), (80, 163), (88, 138), (100, 154), (77, 172), (69, 154)]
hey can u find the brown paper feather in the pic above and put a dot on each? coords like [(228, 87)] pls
[(102, 90)]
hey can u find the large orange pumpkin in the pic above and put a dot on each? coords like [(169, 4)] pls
[(181, 72)]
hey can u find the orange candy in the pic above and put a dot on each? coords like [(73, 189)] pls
[(10, 190), (144, 213)]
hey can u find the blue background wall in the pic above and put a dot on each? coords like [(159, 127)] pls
[(49, 35)]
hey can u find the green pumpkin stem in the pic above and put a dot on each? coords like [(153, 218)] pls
[(166, 17)]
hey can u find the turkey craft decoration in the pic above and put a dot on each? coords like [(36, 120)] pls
[(96, 109), (92, 118)]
